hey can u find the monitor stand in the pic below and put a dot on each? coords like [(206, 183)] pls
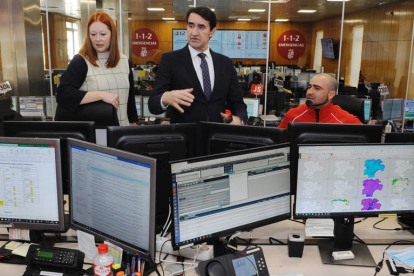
[(220, 248), (343, 241)]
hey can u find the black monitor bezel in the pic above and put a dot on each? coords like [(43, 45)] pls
[(226, 131), (145, 254), (348, 214), (60, 201), (245, 227)]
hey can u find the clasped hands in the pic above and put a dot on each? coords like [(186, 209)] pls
[(184, 97)]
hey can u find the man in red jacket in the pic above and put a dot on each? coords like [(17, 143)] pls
[(318, 107)]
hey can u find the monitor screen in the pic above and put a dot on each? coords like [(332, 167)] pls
[(31, 106), (220, 138), (409, 109), (216, 196), (59, 130), (392, 109), (367, 109), (163, 142), (328, 50), (355, 179), (243, 44), (302, 101), (31, 184), (113, 196), (252, 106), (317, 133), (14, 100), (50, 112), (138, 103), (145, 109)]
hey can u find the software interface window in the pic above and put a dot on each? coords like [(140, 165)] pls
[(343, 179), (111, 195), (28, 185), (220, 194), (252, 106), (31, 106), (392, 109)]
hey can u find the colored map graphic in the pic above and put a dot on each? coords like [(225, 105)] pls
[(370, 204), (340, 205), (342, 167), (400, 204), (372, 166), (340, 187), (400, 185), (310, 188), (311, 168), (402, 166), (370, 186)]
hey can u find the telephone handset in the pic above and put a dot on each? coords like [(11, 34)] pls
[(61, 258), (252, 262)]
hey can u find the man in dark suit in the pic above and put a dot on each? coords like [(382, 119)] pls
[(196, 82)]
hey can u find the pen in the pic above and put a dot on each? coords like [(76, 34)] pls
[(139, 263), (133, 265)]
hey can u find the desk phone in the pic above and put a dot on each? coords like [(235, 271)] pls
[(249, 263), (61, 258)]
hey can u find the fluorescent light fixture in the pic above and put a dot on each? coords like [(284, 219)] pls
[(281, 20), (168, 18), (256, 10), (155, 9), (129, 18), (244, 19), (307, 11), (337, 0)]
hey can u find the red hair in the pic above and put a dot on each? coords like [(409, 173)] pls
[(87, 49)]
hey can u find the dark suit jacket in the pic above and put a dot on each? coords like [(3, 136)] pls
[(176, 71)]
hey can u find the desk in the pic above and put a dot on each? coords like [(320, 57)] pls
[(276, 255)]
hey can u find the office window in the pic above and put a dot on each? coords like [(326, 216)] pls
[(72, 32), (317, 61), (357, 36)]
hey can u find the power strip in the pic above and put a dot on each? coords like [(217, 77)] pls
[(205, 252)]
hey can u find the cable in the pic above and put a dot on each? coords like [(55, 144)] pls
[(390, 229), (359, 240), (379, 265), (168, 218), (163, 273), (359, 221)]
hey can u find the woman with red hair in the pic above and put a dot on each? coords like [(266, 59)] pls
[(99, 72)]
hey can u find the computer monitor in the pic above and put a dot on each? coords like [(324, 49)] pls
[(31, 106), (220, 138), (49, 102), (138, 103), (113, 196), (146, 112), (59, 130), (409, 109), (317, 133), (31, 188), (367, 109), (215, 196), (344, 181), (163, 142), (252, 107), (275, 102), (392, 109), (399, 137), (14, 100), (302, 101)]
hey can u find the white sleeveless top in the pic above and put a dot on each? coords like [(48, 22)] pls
[(113, 80)]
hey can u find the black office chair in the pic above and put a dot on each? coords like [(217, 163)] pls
[(353, 105), (103, 114)]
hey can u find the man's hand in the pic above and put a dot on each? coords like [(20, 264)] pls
[(176, 98), (236, 120)]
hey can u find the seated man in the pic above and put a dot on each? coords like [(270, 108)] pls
[(318, 106)]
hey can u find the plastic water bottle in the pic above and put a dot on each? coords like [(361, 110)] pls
[(102, 263)]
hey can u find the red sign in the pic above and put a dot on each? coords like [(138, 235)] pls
[(257, 89), (144, 43), (291, 45)]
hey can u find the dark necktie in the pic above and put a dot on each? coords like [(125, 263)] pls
[(206, 75)]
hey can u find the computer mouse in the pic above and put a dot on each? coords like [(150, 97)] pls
[(215, 269)]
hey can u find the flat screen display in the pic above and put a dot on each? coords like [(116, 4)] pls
[(360, 180), (367, 109), (328, 48), (392, 109), (146, 113), (252, 106), (409, 109), (138, 104), (31, 106), (244, 44)]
